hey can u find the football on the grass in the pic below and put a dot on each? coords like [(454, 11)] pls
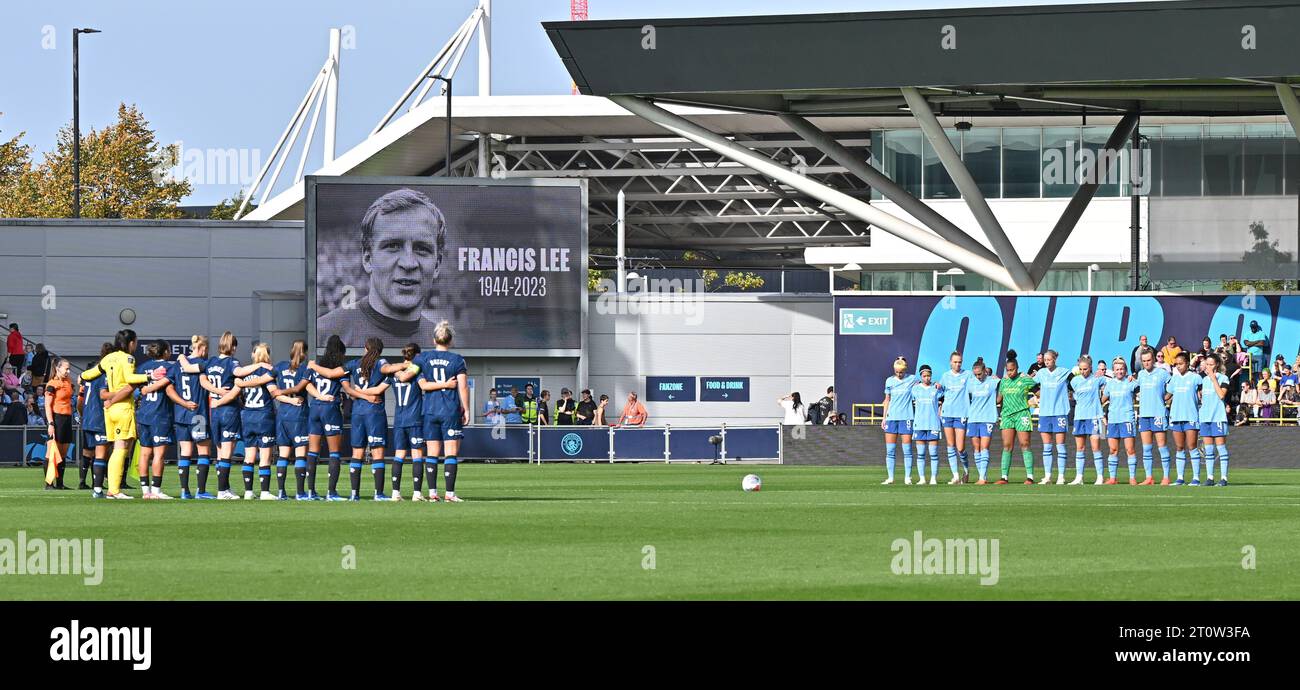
[(751, 482)]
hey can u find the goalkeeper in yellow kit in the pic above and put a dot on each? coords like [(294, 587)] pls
[(118, 370)]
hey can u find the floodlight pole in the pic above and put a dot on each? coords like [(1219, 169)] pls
[(1136, 207), (76, 119), (622, 242)]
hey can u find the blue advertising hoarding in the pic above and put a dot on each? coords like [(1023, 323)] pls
[(927, 329)]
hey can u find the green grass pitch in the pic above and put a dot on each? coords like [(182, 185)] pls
[(582, 532)]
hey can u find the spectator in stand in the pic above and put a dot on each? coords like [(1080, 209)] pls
[(795, 413), (1287, 397), (1267, 403), (1224, 350), (823, 410), (528, 405), (1101, 369), (11, 382), (566, 408), (1038, 364), (1247, 406), (492, 409), (586, 414), (544, 408), (40, 366), (634, 413), (1279, 363), (1135, 361), (14, 346), (600, 419), (1288, 377), (1236, 374), (15, 412), (510, 408), (1266, 377), (34, 415), (1256, 343), (1170, 352), (31, 351), (1206, 350)]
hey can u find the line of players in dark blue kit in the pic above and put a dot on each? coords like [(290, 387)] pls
[(205, 403)]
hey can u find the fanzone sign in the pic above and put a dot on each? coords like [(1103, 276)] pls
[(670, 388), (926, 329)]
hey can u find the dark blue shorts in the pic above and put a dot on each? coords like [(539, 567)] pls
[(442, 428), (258, 439), (921, 436), (980, 429), (291, 432), (325, 420), (954, 422), (92, 439), (1185, 426), (369, 430), (408, 438), (196, 431), (225, 424), (154, 435)]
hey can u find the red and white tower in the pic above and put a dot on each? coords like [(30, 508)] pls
[(577, 13)]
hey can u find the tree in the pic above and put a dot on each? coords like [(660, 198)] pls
[(123, 175), (1264, 257), (227, 209), (741, 280), (15, 157)]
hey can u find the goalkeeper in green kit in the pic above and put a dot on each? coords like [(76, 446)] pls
[(1016, 422)]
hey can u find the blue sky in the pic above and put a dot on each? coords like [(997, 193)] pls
[(228, 74)]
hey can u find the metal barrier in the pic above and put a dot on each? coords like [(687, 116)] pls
[(657, 444), (24, 444)]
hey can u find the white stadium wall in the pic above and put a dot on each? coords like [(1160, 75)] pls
[(782, 343), (66, 282), (1102, 235)]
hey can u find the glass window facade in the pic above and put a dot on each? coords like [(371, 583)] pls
[(938, 183), (1045, 162), (981, 149), (1022, 160)]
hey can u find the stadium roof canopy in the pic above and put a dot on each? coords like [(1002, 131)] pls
[(1190, 57)]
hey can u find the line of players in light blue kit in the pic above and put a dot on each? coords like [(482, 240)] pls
[(963, 406)]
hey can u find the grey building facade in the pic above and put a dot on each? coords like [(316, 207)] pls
[(69, 282)]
